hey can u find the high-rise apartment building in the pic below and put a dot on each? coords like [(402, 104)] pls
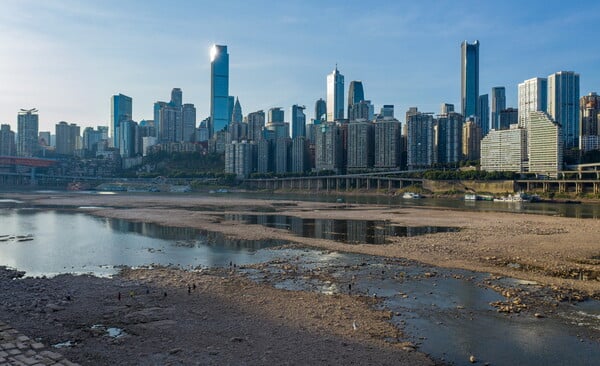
[(420, 142), (360, 153), (120, 110), (483, 113), (27, 131), (387, 111), (298, 121), (256, 123), (387, 144), (362, 110), (356, 94), (276, 115), (563, 105), (7, 141), (504, 150), (446, 108), (498, 105), (507, 117), (219, 89), (471, 140), (335, 96), (300, 160), (448, 138), (329, 147), (320, 110), (589, 108), (188, 112), (130, 144), (67, 136), (469, 79), (545, 145), (533, 95)]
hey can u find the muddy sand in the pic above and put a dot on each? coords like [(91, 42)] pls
[(228, 319)]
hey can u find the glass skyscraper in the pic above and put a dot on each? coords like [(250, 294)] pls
[(219, 89), (563, 104), (298, 121), (120, 110), (483, 114), (469, 78), (27, 131), (320, 109), (498, 105), (335, 96), (356, 94)]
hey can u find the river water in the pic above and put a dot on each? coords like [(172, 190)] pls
[(447, 314)]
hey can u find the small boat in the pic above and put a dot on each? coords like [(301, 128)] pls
[(470, 197), (411, 195), (514, 198)]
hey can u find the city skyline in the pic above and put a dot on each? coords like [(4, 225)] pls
[(66, 48)]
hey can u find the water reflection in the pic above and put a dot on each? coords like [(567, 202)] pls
[(345, 231)]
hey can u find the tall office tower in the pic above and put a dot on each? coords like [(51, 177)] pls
[(66, 138), (264, 156), (129, 146), (387, 143), (362, 110), (448, 138), (563, 105), (120, 110), (219, 89), (387, 111), (356, 94), (507, 117), (335, 96), (446, 108), (230, 106), (483, 114), (298, 121), (320, 110), (283, 156), (469, 77), (419, 135), (360, 154), (300, 161), (498, 105), (188, 112), (533, 95), (91, 138), (471, 140), (177, 97), (504, 150), (329, 147), (27, 132), (7, 141), (589, 108), (256, 123), (545, 145), (236, 113), (276, 115)]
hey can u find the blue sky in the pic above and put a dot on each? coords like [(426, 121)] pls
[(68, 57)]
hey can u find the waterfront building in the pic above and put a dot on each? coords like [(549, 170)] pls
[(188, 133), (563, 105), (300, 159), (545, 146), (335, 96), (356, 94), (120, 110), (7, 141), (298, 121), (589, 108), (329, 148), (239, 158), (483, 114), (219, 89), (130, 139), (320, 110), (283, 159), (419, 139), (448, 138), (533, 95), (362, 110), (504, 150), (256, 123), (387, 143), (27, 132), (230, 157), (360, 153), (469, 78), (498, 105), (471, 140), (507, 117), (264, 156), (589, 142), (67, 136)]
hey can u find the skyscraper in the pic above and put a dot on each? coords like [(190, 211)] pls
[(256, 123), (498, 105), (219, 89), (419, 135), (448, 138), (7, 141), (563, 105), (356, 94), (298, 121), (483, 113), (469, 79), (176, 97), (276, 115), (120, 110), (27, 130), (189, 122), (66, 138), (236, 113), (589, 108), (335, 96), (320, 109), (533, 95)]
